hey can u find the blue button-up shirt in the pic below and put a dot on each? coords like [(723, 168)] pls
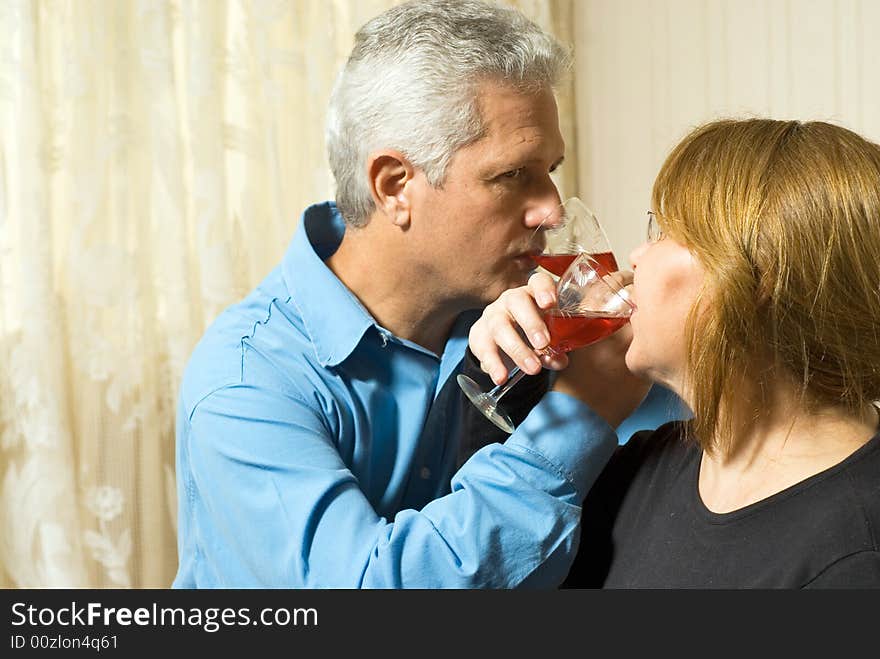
[(311, 453)]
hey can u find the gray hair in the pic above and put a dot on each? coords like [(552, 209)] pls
[(411, 84)]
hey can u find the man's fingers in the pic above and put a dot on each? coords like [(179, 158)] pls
[(486, 351), (543, 289), (522, 311), (495, 338), (509, 340), (499, 333)]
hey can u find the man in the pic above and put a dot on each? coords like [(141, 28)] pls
[(319, 424)]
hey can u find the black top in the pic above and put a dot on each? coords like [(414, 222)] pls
[(645, 526)]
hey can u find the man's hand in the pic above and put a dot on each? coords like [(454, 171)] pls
[(512, 328)]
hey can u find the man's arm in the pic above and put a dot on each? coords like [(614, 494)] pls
[(275, 504)]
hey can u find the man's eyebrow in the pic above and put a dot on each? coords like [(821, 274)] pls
[(515, 164), (531, 161)]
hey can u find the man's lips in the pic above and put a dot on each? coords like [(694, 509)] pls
[(530, 253), (526, 259)]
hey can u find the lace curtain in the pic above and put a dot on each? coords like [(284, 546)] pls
[(155, 156)]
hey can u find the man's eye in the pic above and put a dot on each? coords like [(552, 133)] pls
[(513, 173)]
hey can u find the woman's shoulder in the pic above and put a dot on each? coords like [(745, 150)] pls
[(862, 473), (646, 455), (668, 442)]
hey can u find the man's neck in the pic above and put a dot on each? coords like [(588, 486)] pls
[(388, 283)]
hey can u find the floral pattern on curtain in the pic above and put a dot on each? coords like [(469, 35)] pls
[(155, 156)]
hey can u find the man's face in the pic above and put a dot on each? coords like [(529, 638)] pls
[(475, 232)]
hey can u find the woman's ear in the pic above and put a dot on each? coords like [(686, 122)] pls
[(388, 173)]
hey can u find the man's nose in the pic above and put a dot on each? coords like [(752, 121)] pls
[(545, 210)]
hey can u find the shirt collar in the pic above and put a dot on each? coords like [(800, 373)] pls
[(334, 318)]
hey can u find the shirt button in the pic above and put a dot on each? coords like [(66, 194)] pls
[(425, 473)]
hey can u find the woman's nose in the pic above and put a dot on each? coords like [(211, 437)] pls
[(636, 255)]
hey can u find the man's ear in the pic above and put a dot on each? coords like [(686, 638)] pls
[(388, 173)]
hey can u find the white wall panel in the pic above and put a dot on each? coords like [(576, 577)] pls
[(648, 71)]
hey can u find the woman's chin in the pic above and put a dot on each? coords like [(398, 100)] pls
[(634, 363), (643, 368)]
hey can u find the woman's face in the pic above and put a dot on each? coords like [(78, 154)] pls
[(667, 280)]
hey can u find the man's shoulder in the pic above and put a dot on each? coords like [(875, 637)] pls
[(265, 323)]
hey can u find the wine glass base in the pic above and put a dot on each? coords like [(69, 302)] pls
[(485, 403)]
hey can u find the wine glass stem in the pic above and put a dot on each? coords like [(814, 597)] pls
[(512, 378)]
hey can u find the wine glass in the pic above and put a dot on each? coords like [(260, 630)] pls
[(570, 229), (591, 303)]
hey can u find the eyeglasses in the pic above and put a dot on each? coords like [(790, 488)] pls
[(655, 233)]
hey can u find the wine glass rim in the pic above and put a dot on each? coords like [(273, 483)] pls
[(604, 275), (587, 210)]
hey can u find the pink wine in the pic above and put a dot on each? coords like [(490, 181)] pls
[(557, 263), (572, 331)]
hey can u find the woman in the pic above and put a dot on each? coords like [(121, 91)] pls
[(758, 296)]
